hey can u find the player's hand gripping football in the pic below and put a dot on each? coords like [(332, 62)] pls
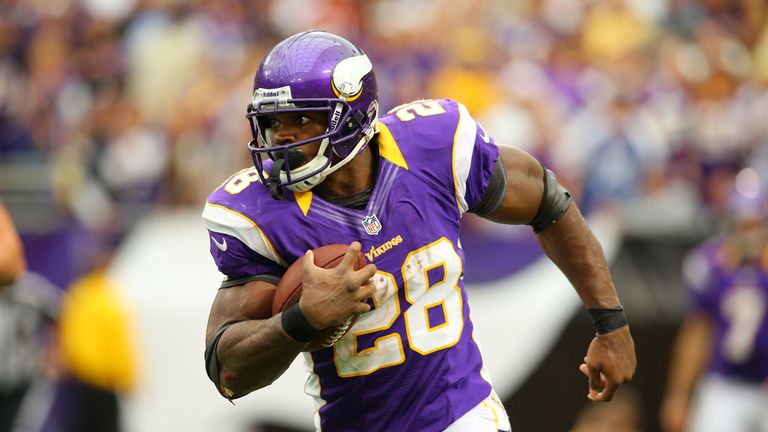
[(330, 296), (610, 362)]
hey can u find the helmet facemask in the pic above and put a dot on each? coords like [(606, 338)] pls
[(345, 136)]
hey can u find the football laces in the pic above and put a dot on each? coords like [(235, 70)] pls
[(340, 330)]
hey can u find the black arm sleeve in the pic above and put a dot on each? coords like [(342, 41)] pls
[(554, 202), (212, 360), (494, 192), (229, 283)]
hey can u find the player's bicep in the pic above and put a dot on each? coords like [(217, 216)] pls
[(249, 301), (521, 196)]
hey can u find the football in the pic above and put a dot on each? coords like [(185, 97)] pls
[(288, 291)]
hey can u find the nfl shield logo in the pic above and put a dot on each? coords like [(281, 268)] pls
[(372, 225)]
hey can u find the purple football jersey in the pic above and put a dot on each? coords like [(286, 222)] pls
[(411, 363), (733, 293)]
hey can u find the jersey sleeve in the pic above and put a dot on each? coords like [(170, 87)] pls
[(475, 158), (239, 247)]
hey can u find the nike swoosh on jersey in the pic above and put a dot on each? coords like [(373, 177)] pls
[(485, 136), (222, 246)]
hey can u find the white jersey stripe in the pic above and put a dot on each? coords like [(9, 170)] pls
[(313, 388), (227, 221), (463, 146)]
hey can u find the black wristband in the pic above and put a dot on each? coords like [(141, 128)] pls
[(608, 319), (296, 325)]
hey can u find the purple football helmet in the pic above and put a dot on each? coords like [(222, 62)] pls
[(312, 71)]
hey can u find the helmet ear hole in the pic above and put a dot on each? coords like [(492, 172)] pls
[(355, 120)]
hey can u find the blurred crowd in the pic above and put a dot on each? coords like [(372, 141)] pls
[(110, 108)]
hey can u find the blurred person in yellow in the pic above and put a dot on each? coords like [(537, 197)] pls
[(468, 71), (718, 377), (98, 354), (612, 29), (12, 261), (28, 312)]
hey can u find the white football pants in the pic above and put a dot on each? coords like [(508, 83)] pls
[(721, 404)]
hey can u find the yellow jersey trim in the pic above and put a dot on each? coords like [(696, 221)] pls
[(388, 148), (304, 200)]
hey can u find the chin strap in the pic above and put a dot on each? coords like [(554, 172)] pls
[(319, 177), (274, 173), (295, 158)]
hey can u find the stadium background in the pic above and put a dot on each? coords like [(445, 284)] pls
[(118, 117)]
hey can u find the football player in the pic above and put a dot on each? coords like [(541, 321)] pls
[(328, 168), (719, 372)]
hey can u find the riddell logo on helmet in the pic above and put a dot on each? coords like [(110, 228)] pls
[(279, 93), (335, 118)]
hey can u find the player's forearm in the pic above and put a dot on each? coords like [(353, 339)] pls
[(253, 354), (571, 245), (689, 355)]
